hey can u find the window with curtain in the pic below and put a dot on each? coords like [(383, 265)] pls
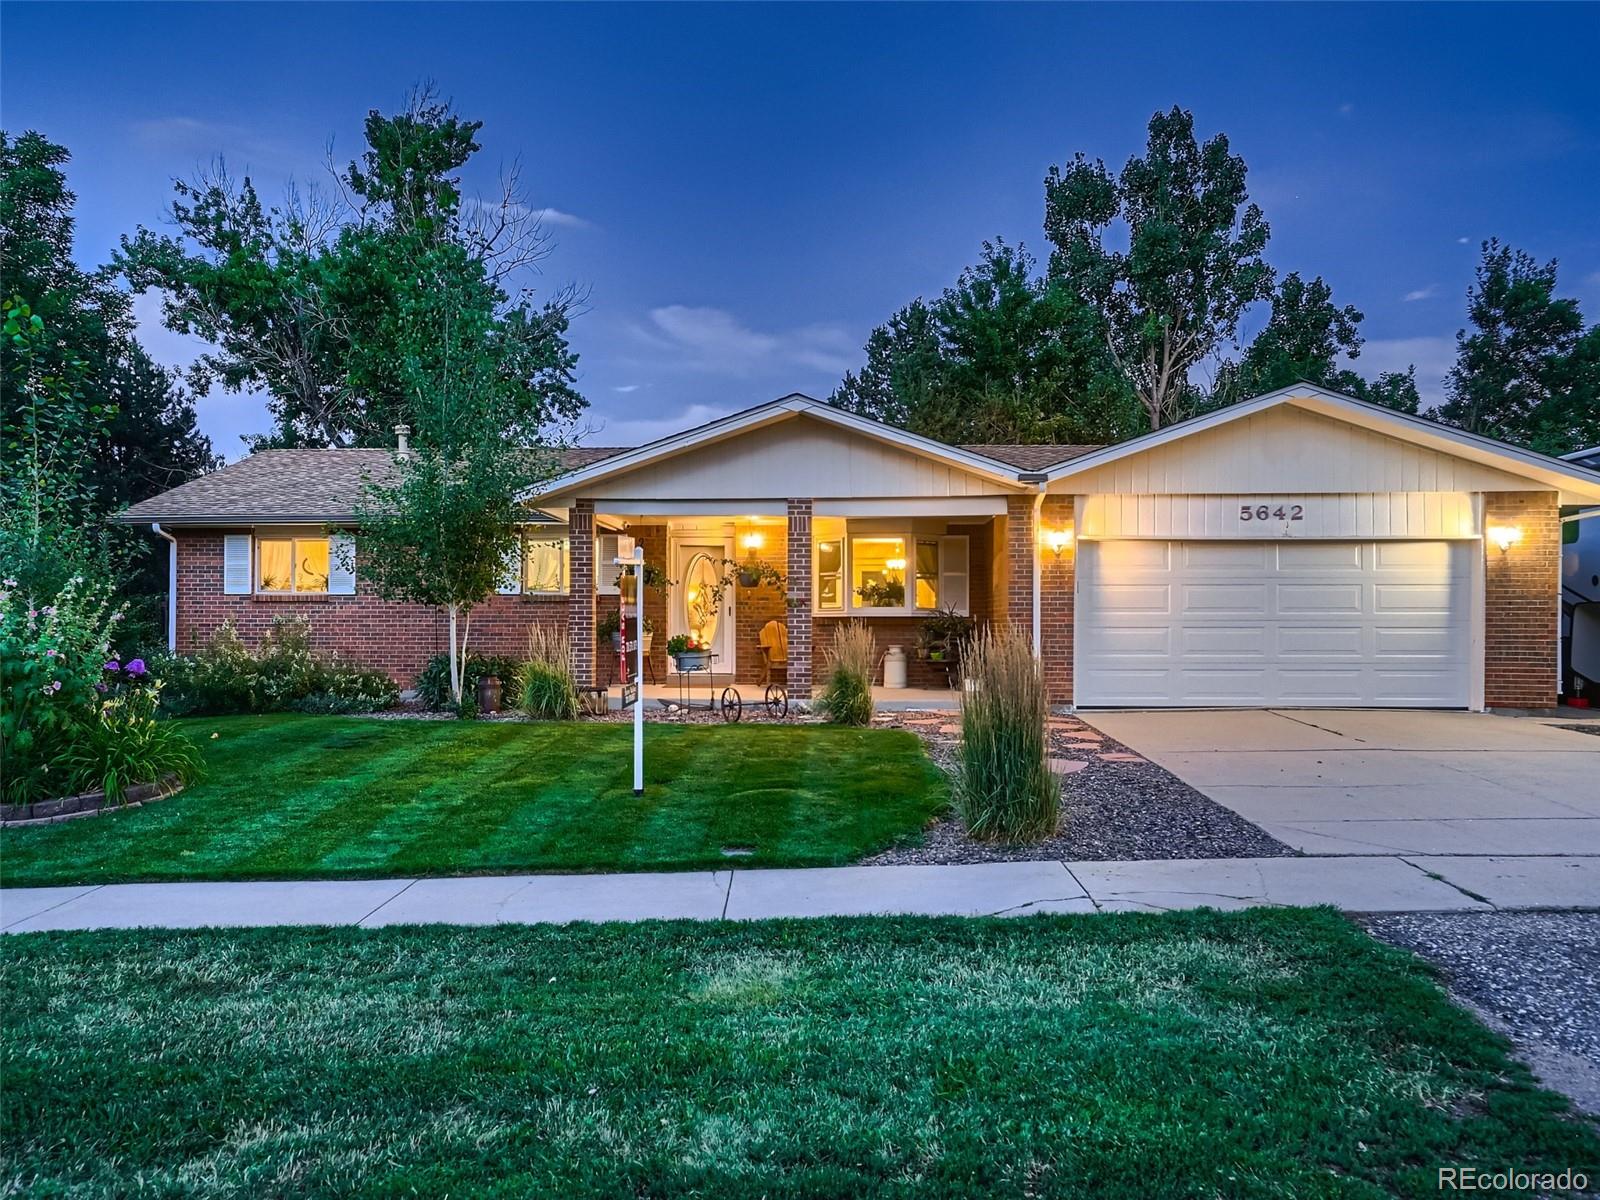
[(546, 559), (927, 572), (878, 571), (292, 565)]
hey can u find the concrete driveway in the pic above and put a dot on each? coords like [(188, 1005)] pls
[(1384, 782)]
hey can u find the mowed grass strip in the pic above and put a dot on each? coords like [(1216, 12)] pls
[(1262, 1054), (298, 797)]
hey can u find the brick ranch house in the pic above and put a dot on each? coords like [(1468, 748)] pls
[(1302, 548)]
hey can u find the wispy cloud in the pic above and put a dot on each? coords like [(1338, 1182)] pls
[(713, 340), (477, 206), (1346, 109), (626, 388), (1422, 293), (202, 140), (1462, 241), (1592, 278), (606, 430)]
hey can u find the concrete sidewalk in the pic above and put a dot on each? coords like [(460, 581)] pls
[(1370, 884)]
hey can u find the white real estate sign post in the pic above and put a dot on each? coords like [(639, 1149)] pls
[(631, 555)]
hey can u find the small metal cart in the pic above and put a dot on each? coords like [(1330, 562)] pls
[(730, 704)]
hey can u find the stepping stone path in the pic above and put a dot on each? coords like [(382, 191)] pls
[(956, 729), (1066, 766), (1115, 757)]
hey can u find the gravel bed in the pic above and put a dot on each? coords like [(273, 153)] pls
[(1534, 976), (1587, 727), (1110, 810)]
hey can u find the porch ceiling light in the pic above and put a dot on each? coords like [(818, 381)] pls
[(1505, 536), (752, 541), (1058, 539)]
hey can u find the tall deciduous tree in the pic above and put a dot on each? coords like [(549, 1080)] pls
[(1308, 337), (1194, 258), (1526, 372), (88, 422), (1001, 356), (440, 528), (312, 300)]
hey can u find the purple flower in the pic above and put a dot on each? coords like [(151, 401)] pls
[(100, 687), (112, 665), (56, 686), (51, 653), (136, 667)]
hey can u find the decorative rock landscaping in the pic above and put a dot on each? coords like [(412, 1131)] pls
[(1116, 805)]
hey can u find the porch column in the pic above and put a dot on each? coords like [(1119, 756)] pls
[(580, 602), (798, 614), (1521, 628), (1055, 601), (1021, 546)]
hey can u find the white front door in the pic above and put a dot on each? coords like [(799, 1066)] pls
[(1259, 624), (692, 605)]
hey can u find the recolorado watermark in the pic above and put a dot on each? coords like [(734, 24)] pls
[(1510, 1179)]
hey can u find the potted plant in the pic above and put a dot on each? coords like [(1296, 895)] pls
[(943, 634), (754, 572), (690, 654), (610, 626)]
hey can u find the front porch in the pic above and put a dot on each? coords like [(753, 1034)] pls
[(660, 698), (765, 589)]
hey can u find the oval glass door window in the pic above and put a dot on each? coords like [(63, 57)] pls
[(699, 608)]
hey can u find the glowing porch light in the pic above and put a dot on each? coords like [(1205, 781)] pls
[(1505, 536)]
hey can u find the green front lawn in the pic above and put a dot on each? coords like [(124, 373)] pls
[(1263, 1054), (296, 797)]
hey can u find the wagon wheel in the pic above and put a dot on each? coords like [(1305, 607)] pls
[(732, 705), (777, 701)]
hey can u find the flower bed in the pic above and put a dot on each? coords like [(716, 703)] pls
[(87, 804)]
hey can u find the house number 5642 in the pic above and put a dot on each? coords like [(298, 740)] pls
[(1269, 512)]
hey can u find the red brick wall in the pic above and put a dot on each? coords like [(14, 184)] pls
[(754, 607), (391, 636), (1018, 609), (798, 612), (1056, 576), (580, 604), (1520, 621)]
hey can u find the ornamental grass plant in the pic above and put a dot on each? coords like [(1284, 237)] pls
[(548, 691), (1005, 790), (846, 697)]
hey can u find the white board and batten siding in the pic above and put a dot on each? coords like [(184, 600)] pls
[(792, 458), (1274, 623), (1288, 449), (1292, 516)]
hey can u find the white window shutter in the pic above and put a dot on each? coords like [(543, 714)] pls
[(954, 573), (606, 570), (341, 565), (511, 571), (236, 564)]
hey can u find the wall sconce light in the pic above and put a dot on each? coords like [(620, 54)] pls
[(752, 542), (1505, 536), (1058, 540)]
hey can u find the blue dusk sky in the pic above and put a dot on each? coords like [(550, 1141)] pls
[(745, 191)]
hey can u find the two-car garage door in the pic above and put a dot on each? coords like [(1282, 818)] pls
[(1252, 624)]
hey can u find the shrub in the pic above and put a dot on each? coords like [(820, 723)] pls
[(53, 660), (549, 692), (433, 681), (1004, 788), (125, 745), (285, 674), (847, 691)]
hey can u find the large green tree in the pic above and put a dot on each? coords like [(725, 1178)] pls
[(150, 441), (1309, 338), (1003, 355), (315, 300), (1193, 262), (1527, 371)]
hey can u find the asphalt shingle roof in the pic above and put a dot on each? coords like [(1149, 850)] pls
[(291, 486), (1032, 458)]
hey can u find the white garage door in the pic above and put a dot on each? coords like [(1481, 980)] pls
[(1253, 624)]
